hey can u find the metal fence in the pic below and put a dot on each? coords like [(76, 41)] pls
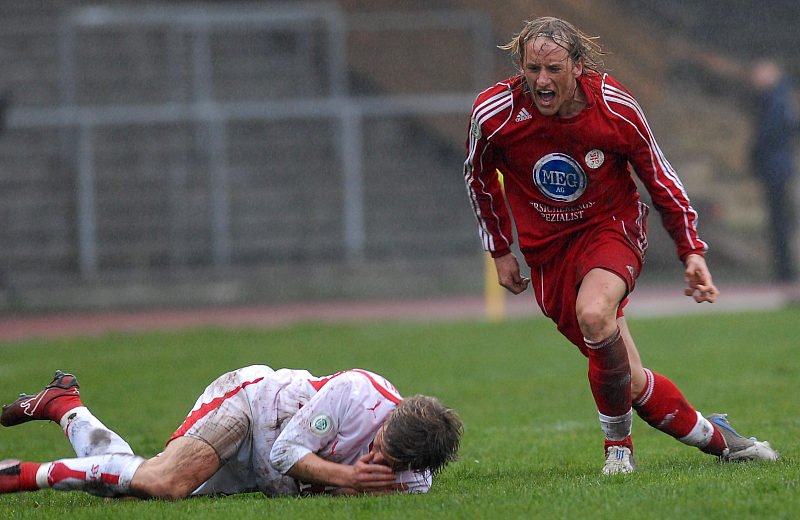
[(236, 135)]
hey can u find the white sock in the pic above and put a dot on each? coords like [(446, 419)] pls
[(701, 434), (617, 428), (89, 436), (107, 475)]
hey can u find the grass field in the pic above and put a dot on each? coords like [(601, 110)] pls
[(532, 446)]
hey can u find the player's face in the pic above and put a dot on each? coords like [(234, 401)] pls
[(552, 78), (377, 448)]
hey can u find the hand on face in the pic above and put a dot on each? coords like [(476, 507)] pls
[(377, 449), (374, 472)]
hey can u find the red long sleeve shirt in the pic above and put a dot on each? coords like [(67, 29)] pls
[(562, 175)]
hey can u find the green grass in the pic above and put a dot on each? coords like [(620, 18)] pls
[(532, 445)]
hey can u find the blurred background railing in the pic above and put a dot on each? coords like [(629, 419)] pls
[(184, 153)]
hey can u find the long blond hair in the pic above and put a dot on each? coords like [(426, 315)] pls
[(577, 44)]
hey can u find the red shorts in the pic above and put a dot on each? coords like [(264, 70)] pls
[(556, 282)]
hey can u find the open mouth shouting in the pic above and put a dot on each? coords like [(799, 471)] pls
[(545, 98), (552, 78)]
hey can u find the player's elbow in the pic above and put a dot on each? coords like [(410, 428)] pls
[(284, 456)]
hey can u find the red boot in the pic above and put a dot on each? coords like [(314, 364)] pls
[(56, 399)]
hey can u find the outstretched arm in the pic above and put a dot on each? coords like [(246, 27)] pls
[(697, 275), (362, 477)]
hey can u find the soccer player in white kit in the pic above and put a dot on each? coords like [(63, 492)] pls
[(281, 432)]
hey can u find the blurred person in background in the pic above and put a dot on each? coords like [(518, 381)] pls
[(563, 134), (281, 432), (762, 86), (773, 160)]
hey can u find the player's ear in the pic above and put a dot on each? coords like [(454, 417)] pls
[(521, 61), (577, 69)]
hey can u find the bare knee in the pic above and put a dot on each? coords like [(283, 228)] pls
[(597, 321), (596, 305)]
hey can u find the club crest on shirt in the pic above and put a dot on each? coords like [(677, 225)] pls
[(321, 424), (594, 158), (559, 177), (475, 128)]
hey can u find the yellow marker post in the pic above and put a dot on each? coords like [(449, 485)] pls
[(494, 293)]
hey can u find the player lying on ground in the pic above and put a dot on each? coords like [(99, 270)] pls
[(281, 432)]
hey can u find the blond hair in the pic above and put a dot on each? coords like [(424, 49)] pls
[(577, 44)]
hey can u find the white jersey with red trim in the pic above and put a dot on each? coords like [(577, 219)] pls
[(562, 175), (292, 413)]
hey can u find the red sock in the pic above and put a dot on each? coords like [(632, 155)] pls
[(58, 407), (27, 476), (610, 375), (716, 445), (663, 406), (627, 442)]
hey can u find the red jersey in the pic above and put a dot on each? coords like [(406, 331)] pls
[(563, 175)]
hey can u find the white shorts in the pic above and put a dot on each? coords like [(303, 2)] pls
[(222, 415)]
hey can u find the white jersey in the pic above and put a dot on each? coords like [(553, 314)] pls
[(262, 421)]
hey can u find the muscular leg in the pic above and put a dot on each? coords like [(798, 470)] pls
[(105, 463), (106, 475), (596, 307), (180, 469), (657, 400), (660, 404), (638, 376), (185, 464)]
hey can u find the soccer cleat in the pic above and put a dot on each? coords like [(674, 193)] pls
[(739, 447), (9, 475), (619, 459), (34, 407)]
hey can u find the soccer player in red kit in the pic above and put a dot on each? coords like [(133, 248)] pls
[(562, 133)]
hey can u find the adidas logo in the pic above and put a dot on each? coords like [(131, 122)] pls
[(523, 115)]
